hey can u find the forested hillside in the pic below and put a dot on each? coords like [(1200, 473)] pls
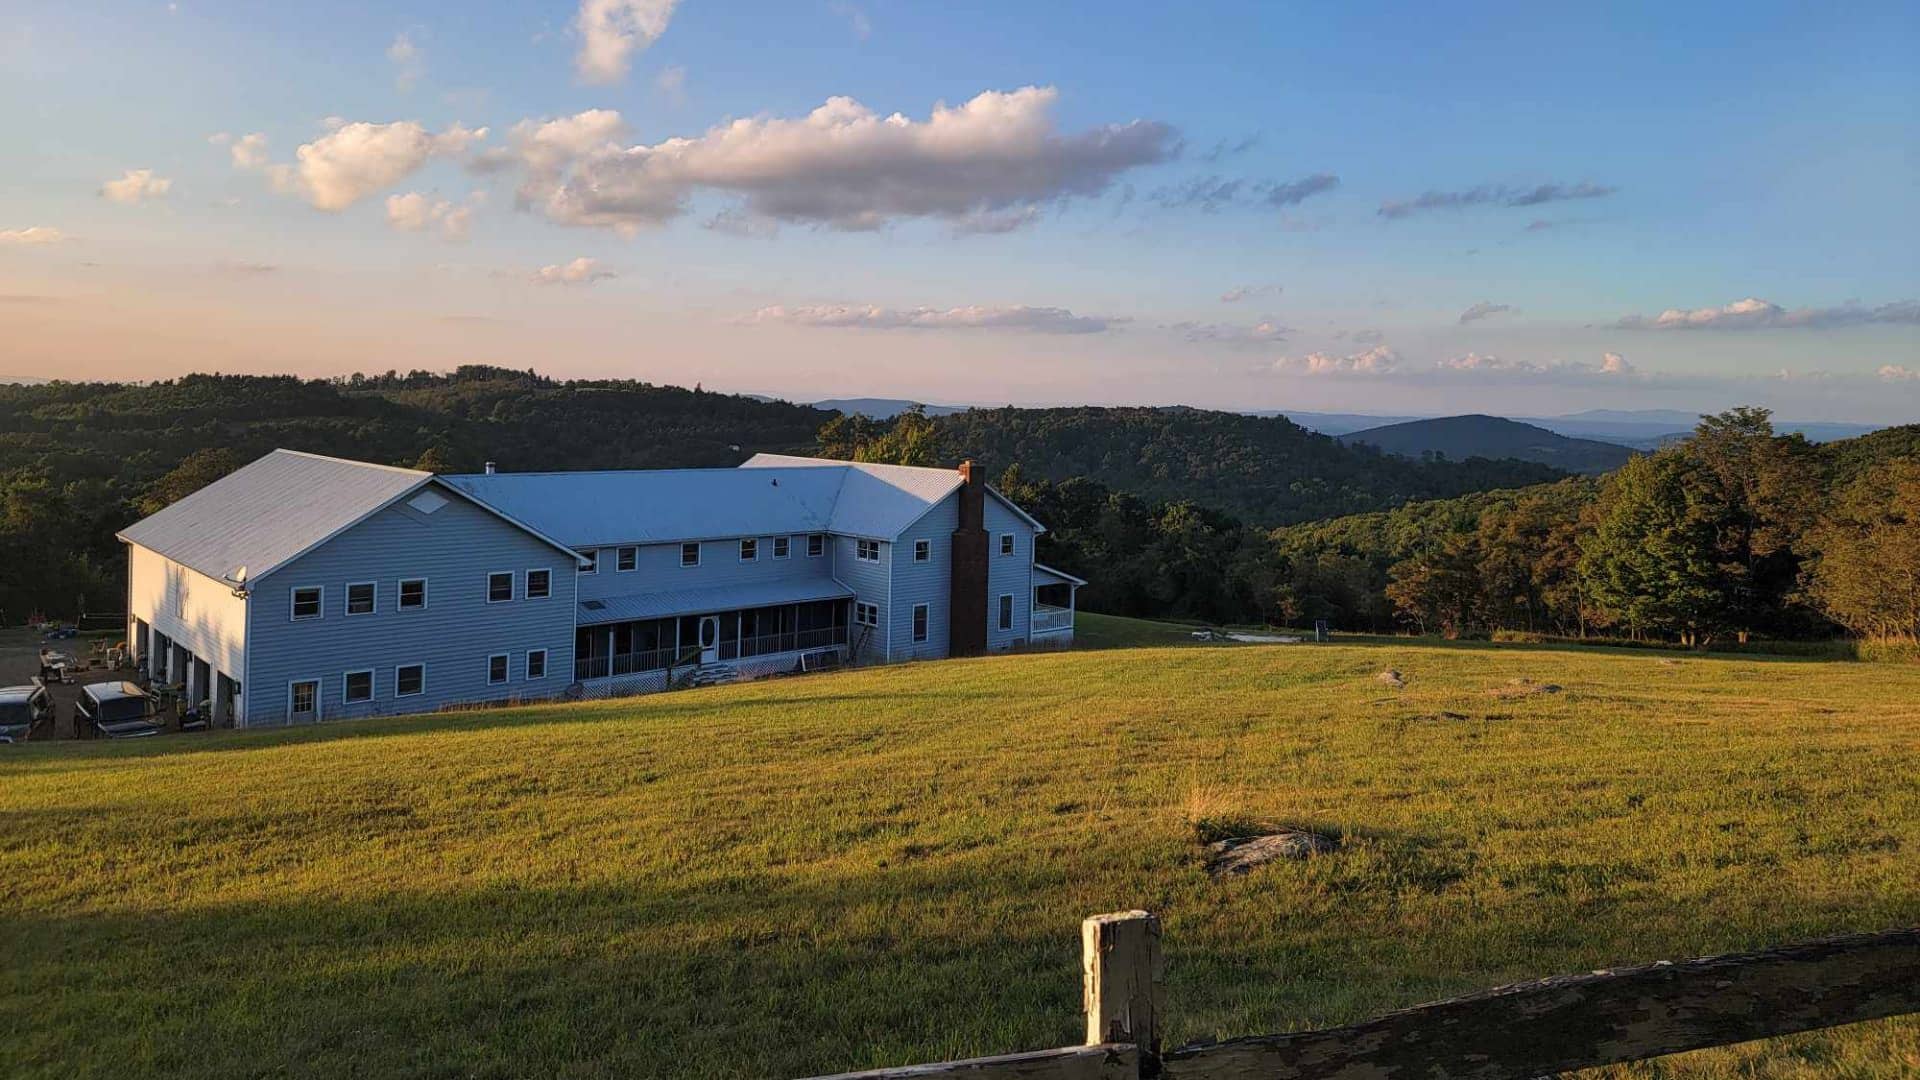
[(1491, 437)]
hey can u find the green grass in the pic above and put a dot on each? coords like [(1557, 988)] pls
[(889, 866)]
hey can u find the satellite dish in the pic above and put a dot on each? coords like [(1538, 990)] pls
[(238, 575)]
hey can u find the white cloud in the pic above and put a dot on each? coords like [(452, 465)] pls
[(414, 212), (137, 186), (1756, 314), (581, 271), (672, 84), (1266, 330), (1243, 292), (845, 166), (1379, 360), (1611, 365), (354, 160), (1483, 309), (248, 152), (611, 31), (1019, 317), (409, 62), (1897, 373), (1476, 362), (1614, 364), (31, 235)]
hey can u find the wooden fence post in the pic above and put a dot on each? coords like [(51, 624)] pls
[(1122, 984)]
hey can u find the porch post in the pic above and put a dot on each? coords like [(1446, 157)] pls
[(609, 651), (217, 712)]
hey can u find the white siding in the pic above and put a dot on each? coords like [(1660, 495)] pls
[(199, 614)]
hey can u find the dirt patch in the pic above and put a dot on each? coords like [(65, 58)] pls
[(1441, 716), (1392, 678), (1245, 854), (1519, 688)]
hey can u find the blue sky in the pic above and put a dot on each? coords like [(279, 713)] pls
[(1502, 208)]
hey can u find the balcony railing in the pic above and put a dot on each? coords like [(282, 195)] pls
[(1047, 619), (790, 641)]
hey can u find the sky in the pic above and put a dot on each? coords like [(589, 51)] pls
[(1413, 209)]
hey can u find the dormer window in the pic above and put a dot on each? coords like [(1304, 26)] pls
[(690, 554)]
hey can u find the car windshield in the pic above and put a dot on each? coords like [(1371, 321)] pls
[(15, 712), (115, 710)]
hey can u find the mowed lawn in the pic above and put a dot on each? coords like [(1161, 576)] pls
[(888, 866)]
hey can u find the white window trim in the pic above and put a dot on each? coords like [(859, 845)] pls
[(293, 603), (927, 633), (699, 552), (319, 696), (923, 551), (526, 591), (513, 586), (860, 546), (811, 537), (399, 590), (1006, 602), (372, 686), (421, 664), (346, 608), (619, 553), (592, 555), (782, 547), (744, 541), (527, 670), (1007, 545), (504, 679), (874, 609)]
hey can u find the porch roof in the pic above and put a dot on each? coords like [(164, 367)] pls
[(1047, 575), (671, 602)]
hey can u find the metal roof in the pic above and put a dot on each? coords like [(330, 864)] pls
[(1056, 577), (269, 512), (769, 495), (660, 605)]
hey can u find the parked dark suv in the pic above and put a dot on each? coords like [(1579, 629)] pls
[(21, 709), (117, 710)]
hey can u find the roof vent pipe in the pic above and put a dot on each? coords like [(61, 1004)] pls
[(490, 469)]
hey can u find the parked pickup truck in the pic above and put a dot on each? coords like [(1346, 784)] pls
[(117, 710), (21, 709)]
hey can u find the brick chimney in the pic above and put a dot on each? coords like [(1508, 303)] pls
[(967, 600)]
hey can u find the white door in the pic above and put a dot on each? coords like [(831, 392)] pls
[(709, 639), (303, 701)]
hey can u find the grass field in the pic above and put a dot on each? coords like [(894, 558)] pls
[(888, 866)]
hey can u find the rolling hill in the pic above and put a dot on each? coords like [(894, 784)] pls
[(1460, 437)]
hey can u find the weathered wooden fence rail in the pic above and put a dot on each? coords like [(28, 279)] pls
[(1518, 1032)]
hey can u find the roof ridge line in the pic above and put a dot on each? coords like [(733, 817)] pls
[(351, 461)]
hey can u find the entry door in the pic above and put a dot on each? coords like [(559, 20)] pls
[(303, 701), (709, 639)]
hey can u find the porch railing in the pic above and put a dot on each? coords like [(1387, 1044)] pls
[(634, 663), (1047, 618)]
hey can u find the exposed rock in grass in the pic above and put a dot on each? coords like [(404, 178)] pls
[(1391, 678), (1443, 715), (1245, 854), (1669, 663), (1524, 688)]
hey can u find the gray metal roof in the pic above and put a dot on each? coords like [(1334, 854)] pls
[(1047, 575), (768, 495), (669, 602), (267, 513)]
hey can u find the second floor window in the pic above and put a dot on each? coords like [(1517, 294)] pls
[(539, 584), (413, 594), (306, 602), (360, 598), (867, 550), (922, 550), (749, 550), (592, 565), (816, 545), (499, 587), (690, 554), (1006, 543), (627, 559), (779, 547)]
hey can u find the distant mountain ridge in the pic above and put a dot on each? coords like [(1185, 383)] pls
[(1478, 435), (885, 408)]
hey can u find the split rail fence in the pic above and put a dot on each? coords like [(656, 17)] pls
[(1519, 1032)]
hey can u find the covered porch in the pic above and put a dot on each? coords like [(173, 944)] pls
[(1054, 593), (651, 633)]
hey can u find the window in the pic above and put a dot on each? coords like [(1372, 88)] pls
[(780, 546), (500, 587), (409, 680), (359, 686), (306, 602), (592, 555), (1006, 611), (536, 663), (1006, 543), (867, 550), (749, 550), (922, 615), (497, 668), (866, 614), (625, 559), (690, 554), (413, 594), (539, 584), (303, 697), (360, 598), (922, 550), (816, 545)]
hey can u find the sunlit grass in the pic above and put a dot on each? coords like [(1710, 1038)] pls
[(889, 866)]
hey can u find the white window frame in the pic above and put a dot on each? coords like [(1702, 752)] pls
[(526, 593), (626, 559), (400, 593), (698, 551), (923, 551), (398, 668), (1003, 613), (372, 609), (592, 555), (527, 671), (319, 691), (293, 603), (346, 680), (749, 549), (1007, 545), (861, 547), (816, 545), (870, 611), (507, 662), (922, 624), (782, 547), (513, 586)]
